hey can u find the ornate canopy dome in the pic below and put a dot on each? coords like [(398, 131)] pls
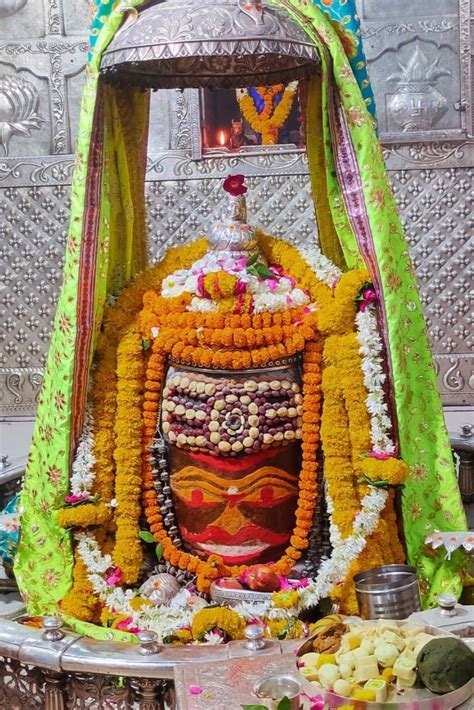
[(210, 43)]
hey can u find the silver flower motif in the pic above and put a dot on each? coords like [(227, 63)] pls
[(10, 7), (18, 109)]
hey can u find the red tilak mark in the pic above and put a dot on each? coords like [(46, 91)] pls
[(233, 465)]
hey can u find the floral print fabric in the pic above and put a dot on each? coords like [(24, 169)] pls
[(362, 206), (343, 13)]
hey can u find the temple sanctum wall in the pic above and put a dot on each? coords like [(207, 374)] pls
[(429, 153)]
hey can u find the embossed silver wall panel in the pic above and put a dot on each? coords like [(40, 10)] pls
[(413, 55), (432, 179), (23, 19)]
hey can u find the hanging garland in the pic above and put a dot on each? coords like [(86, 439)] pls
[(272, 118), (168, 343), (363, 519), (127, 554), (266, 97)]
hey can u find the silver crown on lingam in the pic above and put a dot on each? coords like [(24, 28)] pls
[(231, 235)]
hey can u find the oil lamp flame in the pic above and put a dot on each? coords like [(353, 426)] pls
[(222, 138)]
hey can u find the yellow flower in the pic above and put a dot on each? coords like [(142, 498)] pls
[(285, 599), (394, 471), (127, 553), (139, 602), (264, 123), (225, 620), (285, 628), (180, 637)]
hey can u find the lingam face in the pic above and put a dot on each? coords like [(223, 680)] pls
[(234, 461)]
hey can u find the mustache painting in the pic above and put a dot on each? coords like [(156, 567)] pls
[(240, 516)]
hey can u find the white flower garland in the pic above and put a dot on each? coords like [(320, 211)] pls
[(334, 570), (323, 267), (269, 295), (348, 549), (164, 620), (83, 474), (371, 349), (167, 619)]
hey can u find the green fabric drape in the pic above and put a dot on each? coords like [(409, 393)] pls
[(431, 498), (107, 194)]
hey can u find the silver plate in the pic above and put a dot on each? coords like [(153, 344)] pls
[(421, 699), (232, 597)]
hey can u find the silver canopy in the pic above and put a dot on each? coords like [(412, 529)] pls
[(208, 43)]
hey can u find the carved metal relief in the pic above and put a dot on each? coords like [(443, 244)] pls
[(208, 43), (88, 692), (11, 7), (40, 69), (25, 112), (416, 104), (179, 210), (19, 101), (21, 688), (33, 225), (435, 209), (424, 98)]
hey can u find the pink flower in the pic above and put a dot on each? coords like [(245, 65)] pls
[(272, 284), (73, 499), (368, 297), (234, 185), (201, 288), (240, 302), (379, 457), (124, 625), (240, 288), (195, 690), (244, 577), (284, 583), (317, 702), (115, 577)]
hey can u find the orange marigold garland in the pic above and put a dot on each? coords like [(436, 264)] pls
[(271, 119), (236, 341), (345, 433), (127, 554), (80, 601), (166, 343)]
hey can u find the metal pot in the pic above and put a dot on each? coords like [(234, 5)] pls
[(388, 592)]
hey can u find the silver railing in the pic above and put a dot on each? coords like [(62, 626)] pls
[(54, 669)]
